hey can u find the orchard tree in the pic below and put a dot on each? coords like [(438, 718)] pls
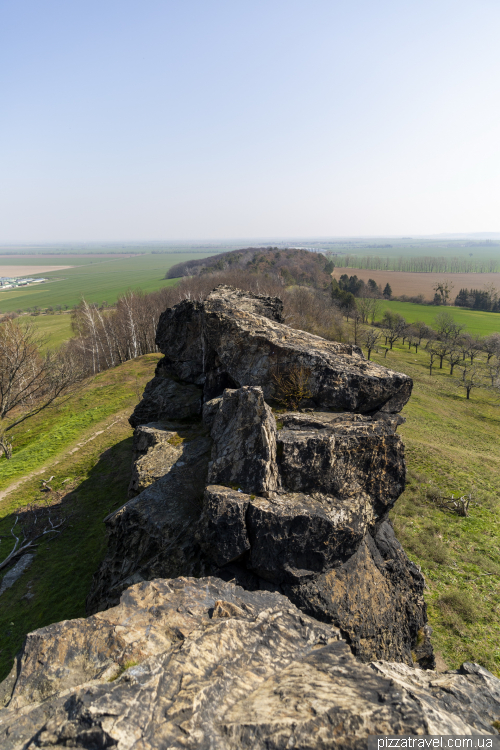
[(371, 338), (470, 378)]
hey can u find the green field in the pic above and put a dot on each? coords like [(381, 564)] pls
[(476, 321), (56, 328), (98, 280)]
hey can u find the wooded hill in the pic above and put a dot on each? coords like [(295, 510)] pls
[(293, 265)]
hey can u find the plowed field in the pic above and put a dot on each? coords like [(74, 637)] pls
[(413, 284)]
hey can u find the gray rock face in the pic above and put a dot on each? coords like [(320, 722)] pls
[(357, 462), (228, 342), (376, 597), (197, 663), (223, 530), (294, 536), (244, 442), (152, 535), (154, 452), (164, 399), (324, 558)]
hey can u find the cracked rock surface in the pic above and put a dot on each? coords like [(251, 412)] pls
[(203, 664), (235, 339)]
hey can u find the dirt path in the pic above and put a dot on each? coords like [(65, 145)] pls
[(67, 452)]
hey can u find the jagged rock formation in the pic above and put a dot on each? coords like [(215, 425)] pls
[(155, 450), (244, 442), (165, 399), (152, 535), (236, 338), (299, 506), (199, 663)]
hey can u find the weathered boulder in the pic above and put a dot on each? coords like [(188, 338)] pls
[(322, 556), (222, 527), (244, 442), (376, 597), (154, 451), (165, 399), (358, 461), (228, 342), (198, 663), (152, 535), (295, 536)]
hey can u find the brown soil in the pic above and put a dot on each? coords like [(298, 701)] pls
[(413, 284), (20, 270)]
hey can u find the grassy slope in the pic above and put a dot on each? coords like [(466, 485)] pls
[(94, 479), (100, 280), (476, 321), (452, 444)]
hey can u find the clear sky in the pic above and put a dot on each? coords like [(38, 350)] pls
[(184, 119)]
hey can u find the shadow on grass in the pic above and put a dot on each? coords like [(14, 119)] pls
[(56, 584)]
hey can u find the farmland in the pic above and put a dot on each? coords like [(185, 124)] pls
[(475, 321), (98, 279), (27, 270), (413, 284)]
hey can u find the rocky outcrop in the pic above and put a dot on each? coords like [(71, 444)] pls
[(199, 663), (165, 399), (244, 442), (152, 535), (377, 598), (235, 339), (155, 450), (299, 505)]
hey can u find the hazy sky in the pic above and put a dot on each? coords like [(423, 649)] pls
[(180, 119)]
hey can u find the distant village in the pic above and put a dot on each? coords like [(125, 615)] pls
[(7, 282)]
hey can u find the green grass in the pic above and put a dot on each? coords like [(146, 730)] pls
[(88, 484), (98, 280), (56, 328), (452, 446), (476, 321)]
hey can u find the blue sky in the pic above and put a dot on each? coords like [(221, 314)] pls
[(163, 119)]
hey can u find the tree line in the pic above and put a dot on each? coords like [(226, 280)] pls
[(104, 337), (418, 264)]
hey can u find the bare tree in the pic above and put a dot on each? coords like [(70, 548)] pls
[(491, 346), (470, 378), (368, 308), (370, 338), (29, 535), (421, 331), (443, 290), (494, 372), (393, 326), (356, 325), (453, 358), (432, 357), (30, 381), (440, 349), (446, 326)]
